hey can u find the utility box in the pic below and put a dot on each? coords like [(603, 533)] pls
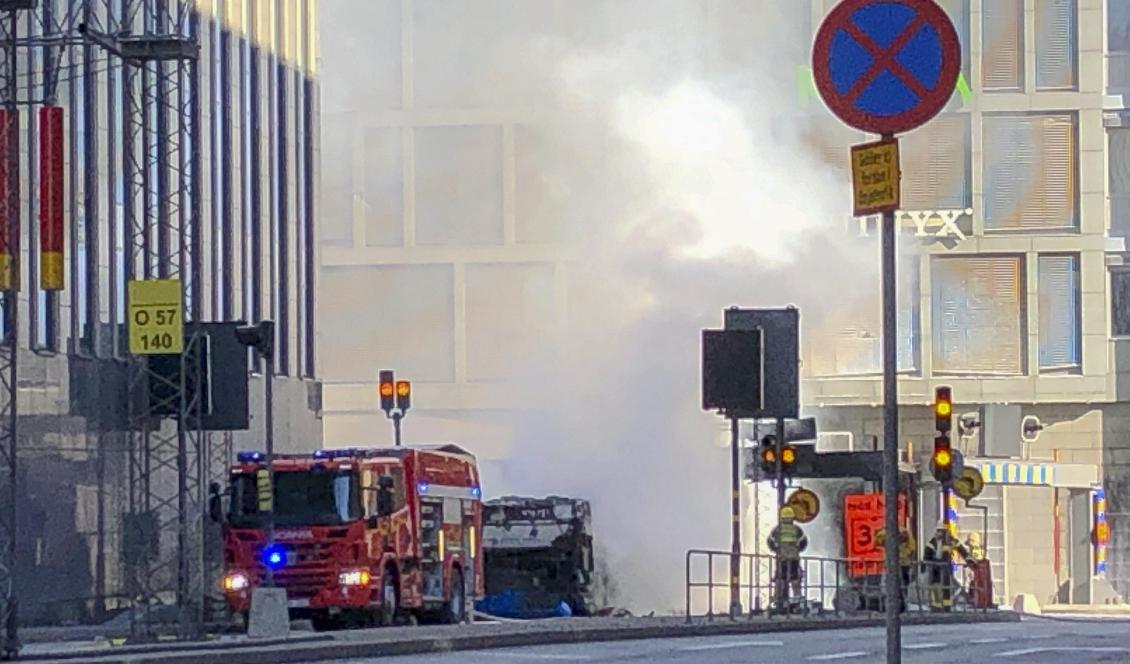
[(1001, 435)]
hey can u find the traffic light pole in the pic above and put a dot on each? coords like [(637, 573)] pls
[(269, 424), (735, 522), (396, 417), (778, 453), (890, 441)]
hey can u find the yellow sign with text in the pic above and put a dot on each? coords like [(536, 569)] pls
[(156, 320), (875, 177)]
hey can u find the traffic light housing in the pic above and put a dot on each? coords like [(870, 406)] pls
[(261, 337), (943, 409), (387, 391), (942, 460), (768, 456), (403, 395)]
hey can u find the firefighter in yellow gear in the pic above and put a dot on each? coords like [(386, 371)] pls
[(940, 556), (787, 540), (973, 545), (908, 554)]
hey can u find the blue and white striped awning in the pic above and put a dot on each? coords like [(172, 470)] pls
[(1037, 473), (1043, 474)]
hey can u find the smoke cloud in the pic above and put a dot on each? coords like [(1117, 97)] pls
[(670, 152), (709, 197)]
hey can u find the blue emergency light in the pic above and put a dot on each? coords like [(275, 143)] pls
[(274, 556), (249, 457)]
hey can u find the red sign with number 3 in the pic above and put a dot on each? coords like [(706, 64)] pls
[(863, 519)]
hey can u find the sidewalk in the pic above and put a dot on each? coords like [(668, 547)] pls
[(443, 638)]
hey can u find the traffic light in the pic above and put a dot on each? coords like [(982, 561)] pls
[(403, 395), (768, 456), (387, 391), (942, 461), (943, 409)]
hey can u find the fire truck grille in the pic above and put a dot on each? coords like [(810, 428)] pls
[(303, 584)]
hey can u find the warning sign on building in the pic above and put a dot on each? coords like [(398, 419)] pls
[(863, 519), (875, 177)]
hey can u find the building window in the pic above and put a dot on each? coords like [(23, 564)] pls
[(1119, 157), (1120, 303), (456, 205), (1030, 171), (1059, 309), (937, 161), (414, 330), (977, 310), (847, 340), (1056, 44), (958, 11), (1118, 45), (1002, 30)]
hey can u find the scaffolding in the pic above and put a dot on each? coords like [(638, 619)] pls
[(156, 141)]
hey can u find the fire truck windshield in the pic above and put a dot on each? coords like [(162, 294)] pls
[(302, 498)]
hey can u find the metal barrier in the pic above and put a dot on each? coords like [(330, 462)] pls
[(820, 585)]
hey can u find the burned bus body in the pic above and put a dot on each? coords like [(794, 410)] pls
[(538, 558)]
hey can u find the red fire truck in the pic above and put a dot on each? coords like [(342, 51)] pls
[(359, 534)]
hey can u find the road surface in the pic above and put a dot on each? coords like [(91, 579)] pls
[(1037, 640)]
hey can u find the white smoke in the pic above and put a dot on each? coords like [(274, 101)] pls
[(716, 203), (683, 176)]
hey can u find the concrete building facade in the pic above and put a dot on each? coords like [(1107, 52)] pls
[(256, 92)]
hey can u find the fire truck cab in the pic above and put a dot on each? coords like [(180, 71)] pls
[(359, 534)]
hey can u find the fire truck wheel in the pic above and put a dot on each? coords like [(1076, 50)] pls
[(454, 612), (323, 621), (390, 598)]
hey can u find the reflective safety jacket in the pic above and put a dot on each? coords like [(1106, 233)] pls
[(787, 541)]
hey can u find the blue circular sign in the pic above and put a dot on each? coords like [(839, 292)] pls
[(886, 66)]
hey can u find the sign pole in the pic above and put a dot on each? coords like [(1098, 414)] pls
[(735, 522), (890, 438)]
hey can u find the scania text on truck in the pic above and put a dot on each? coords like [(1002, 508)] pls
[(359, 534)]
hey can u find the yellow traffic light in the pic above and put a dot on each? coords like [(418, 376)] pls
[(403, 388), (788, 455), (943, 458), (943, 409), (769, 456), (386, 389)]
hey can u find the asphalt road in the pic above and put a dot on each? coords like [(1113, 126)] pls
[(1037, 640)]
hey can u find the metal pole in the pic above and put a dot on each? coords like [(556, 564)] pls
[(890, 439), (782, 587), (757, 525), (735, 523), (12, 643), (269, 417), (396, 417)]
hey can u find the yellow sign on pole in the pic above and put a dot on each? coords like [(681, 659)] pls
[(156, 321), (875, 177), (970, 484)]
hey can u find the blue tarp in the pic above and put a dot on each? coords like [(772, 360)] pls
[(514, 604)]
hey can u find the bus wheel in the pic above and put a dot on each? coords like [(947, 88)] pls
[(389, 594), (456, 608)]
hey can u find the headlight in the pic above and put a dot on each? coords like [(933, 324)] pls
[(354, 577), (235, 581)]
